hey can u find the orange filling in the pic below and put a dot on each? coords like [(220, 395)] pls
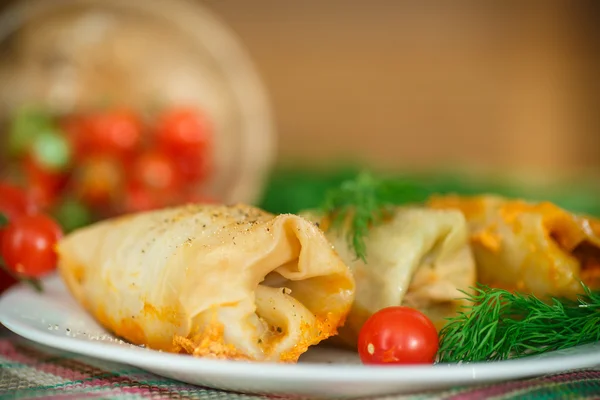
[(209, 343)]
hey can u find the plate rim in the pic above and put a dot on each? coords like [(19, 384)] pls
[(300, 372)]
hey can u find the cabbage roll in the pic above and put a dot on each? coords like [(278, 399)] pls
[(230, 282), (529, 247), (415, 257)]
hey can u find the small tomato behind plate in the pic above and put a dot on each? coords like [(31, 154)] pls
[(181, 130), (99, 180), (155, 170), (116, 132), (43, 186), (28, 245), (14, 201), (193, 168)]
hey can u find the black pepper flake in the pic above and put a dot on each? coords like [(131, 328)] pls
[(279, 330), (268, 229), (204, 225), (317, 224), (259, 341)]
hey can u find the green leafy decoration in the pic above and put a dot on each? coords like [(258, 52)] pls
[(499, 324), (356, 203)]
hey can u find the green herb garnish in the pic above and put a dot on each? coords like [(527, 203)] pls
[(361, 202), (357, 205), (500, 324)]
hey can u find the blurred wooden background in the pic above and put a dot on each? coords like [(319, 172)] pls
[(512, 85), (500, 85)]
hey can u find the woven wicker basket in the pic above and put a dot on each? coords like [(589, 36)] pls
[(69, 55)]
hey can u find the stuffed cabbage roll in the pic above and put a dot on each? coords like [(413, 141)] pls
[(228, 282), (530, 247), (415, 257)]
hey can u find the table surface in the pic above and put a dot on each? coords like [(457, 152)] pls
[(32, 371)]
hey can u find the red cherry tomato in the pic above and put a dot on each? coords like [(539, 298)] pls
[(77, 133), (138, 199), (183, 131), (14, 202), (99, 180), (28, 245), (35, 173), (118, 132), (43, 195), (398, 335), (193, 167), (156, 171), (43, 186)]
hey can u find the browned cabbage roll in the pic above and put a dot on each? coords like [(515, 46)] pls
[(416, 257), (530, 247), (229, 282)]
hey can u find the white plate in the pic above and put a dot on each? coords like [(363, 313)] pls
[(54, 319)]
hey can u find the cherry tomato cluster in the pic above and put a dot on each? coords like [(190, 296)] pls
[(27, 237), (97, 164), (398, 335)]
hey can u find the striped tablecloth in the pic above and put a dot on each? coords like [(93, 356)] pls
[(32, 371)]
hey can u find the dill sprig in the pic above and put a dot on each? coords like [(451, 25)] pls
[(362, 201), (357, 204), (499, 324)]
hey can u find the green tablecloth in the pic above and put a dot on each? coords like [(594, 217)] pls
[(32, 371)]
